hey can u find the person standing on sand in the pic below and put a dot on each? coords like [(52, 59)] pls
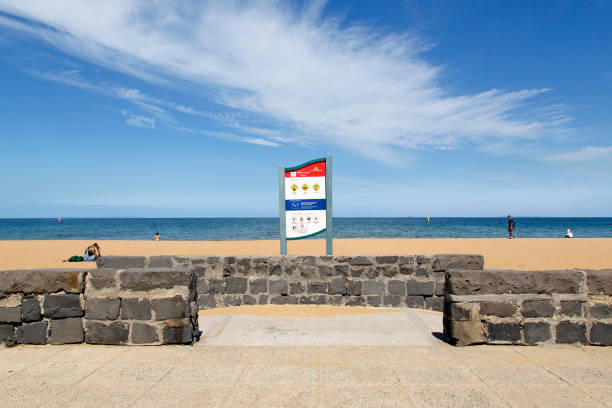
[(511, 228), (156, 237)]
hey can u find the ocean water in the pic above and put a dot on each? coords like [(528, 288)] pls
[(212, 229)]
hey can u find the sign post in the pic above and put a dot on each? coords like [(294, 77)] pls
[(305, 202)]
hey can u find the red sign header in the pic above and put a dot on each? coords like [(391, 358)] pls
[(312, 170)]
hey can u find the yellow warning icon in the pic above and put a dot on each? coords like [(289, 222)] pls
[(294, 187), (316, 187), (315, 168), (305, 187)]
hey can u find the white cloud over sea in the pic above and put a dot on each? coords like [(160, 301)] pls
[(355, 86)]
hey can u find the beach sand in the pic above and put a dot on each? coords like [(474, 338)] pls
[(524, 253)]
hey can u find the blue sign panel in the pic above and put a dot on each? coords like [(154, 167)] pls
[(305, 205)]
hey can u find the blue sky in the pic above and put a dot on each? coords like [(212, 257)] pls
[(452, 108)]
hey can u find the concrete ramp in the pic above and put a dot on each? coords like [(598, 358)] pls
[(292, 325)]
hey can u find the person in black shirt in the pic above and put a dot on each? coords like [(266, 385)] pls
[(511, 228)]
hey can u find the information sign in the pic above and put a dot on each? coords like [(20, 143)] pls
[(305, 201)]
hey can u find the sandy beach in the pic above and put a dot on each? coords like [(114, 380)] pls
[(525, 254)]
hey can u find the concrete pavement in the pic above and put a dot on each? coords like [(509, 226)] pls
[(212, 374)]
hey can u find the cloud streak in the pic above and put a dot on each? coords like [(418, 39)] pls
[(354, 86), (582, 155)]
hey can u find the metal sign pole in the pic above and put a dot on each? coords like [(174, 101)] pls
[(329, 234), (281, 210)]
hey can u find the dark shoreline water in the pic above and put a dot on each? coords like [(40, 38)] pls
[(231, 229)]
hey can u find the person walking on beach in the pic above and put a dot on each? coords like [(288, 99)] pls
[(511, 228)]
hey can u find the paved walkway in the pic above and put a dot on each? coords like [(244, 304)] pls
[(214, 375)]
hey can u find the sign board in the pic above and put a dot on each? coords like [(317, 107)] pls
[(305, 201)]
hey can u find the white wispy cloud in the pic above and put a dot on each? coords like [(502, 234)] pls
[(585, 154), (138, 120), (354, 86)]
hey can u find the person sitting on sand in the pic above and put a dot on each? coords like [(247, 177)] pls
[(92, 253), (156, 237), (569, 234)]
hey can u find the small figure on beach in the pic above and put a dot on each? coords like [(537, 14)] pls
[(92, 253), (156, 237), (569, 234), (511, 226)]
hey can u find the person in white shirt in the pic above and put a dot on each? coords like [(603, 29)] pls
[(569, 234)]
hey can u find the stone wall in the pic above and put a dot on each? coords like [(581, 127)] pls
[(393, 281), (528, 307), (104, 306)]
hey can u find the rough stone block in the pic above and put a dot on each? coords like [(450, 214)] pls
[(571, 332), (177, 335), (229, 270), (43, 281), (293, 300), (415, 302), (601, 334), (59, 306), (202, 285), (375, 301), (601, 311), (354, 301), (216, 286), (308, 271), (460, 311), (232, 300), (362, 260), (354, 288), (170, 308), (598, 282), (435, 303), (414, 287), (236, 285), (465, 333), (325, 271), (407, 269), (135, 308), (439, 287), (296, 288), (207, 302), (248, 300), (106, 333), (143, 333), (357, 272), (371, 272), (407, 260), (538, 308), (388, 270), (229, 260), (30, 309), (258, 286), (263, 299), (337, 286), (503, 332), (102, 279), (389, 259), (279, 286), (423, 271), (32, 333), (120, 262), (341, 270), (212, 260), (499, 309), (464, 282), (277, 270), (102, 308), (66, 331), (279, 300), (397, 287), (155, 278), (306, 260), (317, 287), (373, 288), (313, 300), (571, 308), (536, 332), (162, 261), (7, 332), (10, 314), (446, 262), (393, 301)]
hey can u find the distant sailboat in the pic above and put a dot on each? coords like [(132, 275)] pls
[(59, 220), (428, 219)]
